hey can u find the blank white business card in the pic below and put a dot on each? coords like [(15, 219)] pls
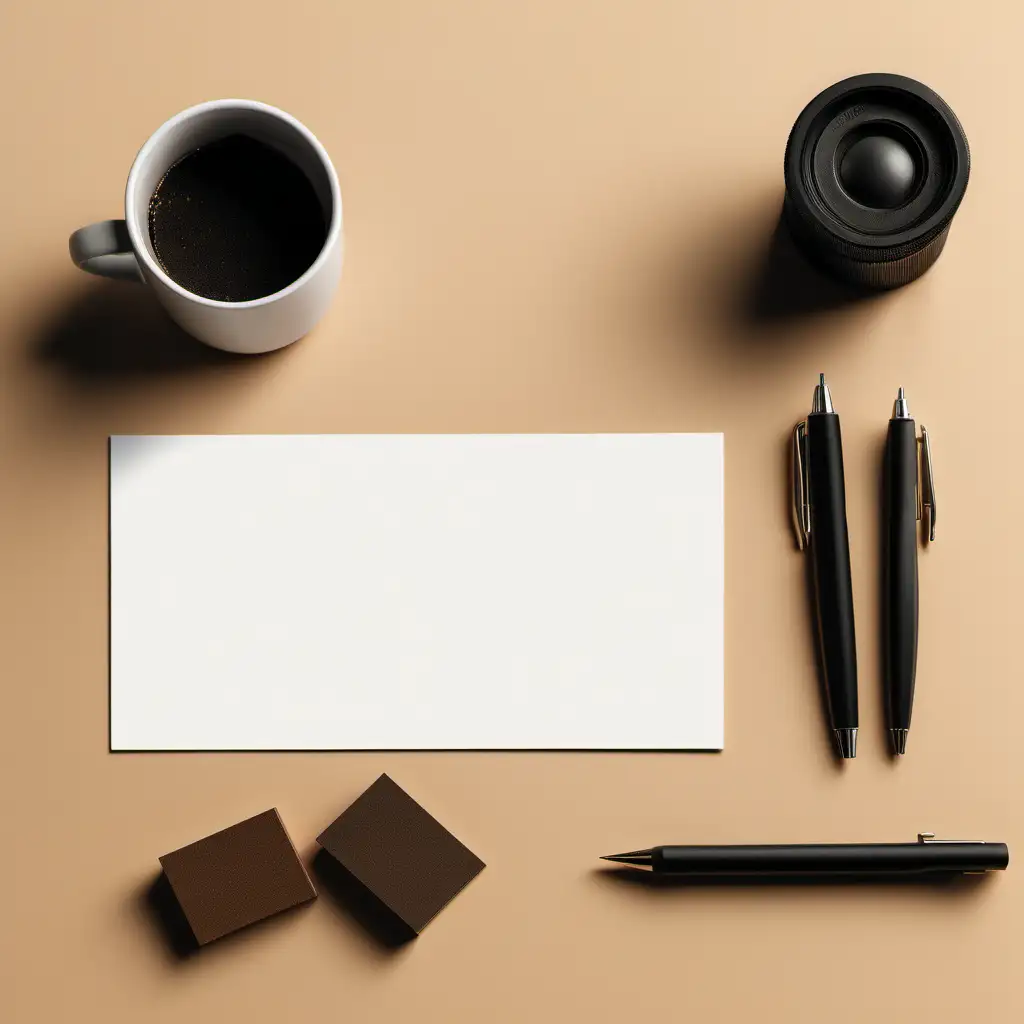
[(337, 592)]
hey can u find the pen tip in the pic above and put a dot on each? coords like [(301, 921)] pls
[(637, 857), (899, 741), (900, 408), (822, 400)]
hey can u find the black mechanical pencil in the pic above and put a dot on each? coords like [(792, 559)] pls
[(819, 516), (909, 495), (928, 856)]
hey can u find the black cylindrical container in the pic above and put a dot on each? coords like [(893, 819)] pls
[(876, 167)]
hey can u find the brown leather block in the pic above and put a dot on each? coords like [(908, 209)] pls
[(402, 855), (236, 877)]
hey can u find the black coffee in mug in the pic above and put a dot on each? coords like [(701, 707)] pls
[(235, 220)]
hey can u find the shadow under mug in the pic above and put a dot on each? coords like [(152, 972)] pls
[(124, 249)]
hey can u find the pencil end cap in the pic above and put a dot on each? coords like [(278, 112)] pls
[(846, 742), (899, 741)]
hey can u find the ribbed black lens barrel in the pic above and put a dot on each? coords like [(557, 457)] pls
[(876, 167)]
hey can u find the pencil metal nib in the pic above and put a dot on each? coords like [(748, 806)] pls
[(822, 400), (900, 409), (642, 857), (846, 742), (899, 740)]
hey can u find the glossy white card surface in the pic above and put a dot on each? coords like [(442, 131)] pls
[(409, 592)]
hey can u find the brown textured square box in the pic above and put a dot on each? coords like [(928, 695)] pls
[(402, 855), (238, 876)]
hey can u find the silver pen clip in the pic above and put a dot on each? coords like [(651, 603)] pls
[(801, 508), (925, 483)]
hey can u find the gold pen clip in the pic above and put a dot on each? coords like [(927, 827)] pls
[(801, 508), (925, 484), (929, 837)]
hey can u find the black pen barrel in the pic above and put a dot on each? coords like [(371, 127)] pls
[(829, 549), (900, 586), (849, 859)]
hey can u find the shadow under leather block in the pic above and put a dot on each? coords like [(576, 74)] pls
[(371, 913), (164, 912), (160, 908)]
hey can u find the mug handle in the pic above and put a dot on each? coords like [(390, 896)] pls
[(105, 248)]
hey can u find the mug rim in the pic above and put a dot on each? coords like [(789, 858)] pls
[(134, 230)]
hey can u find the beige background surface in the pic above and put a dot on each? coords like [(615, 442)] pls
[(555, 212)]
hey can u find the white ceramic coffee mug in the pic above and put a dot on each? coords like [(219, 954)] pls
[(123, 248)]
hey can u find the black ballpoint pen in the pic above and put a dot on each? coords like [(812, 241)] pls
[(819, 516), (928, 856), (909, 494)]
